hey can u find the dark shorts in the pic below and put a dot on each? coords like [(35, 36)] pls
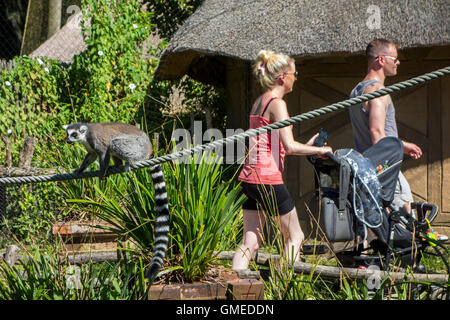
[(274, 199)]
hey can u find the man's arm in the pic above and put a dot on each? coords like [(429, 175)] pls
[(377, 113), (377, 120)]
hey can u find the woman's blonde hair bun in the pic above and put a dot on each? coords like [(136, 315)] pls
[(268, 66)]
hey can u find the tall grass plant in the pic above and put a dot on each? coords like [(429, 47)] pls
[(205, 211)]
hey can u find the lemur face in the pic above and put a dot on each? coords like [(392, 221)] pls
[(76, 132)]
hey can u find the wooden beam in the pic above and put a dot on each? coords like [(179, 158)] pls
[(332, 124), (263, 258), (7, 142), (434, 175), (322, 90), (398, 95), (237, 94), (410, 134), (445, 147), (26, 154), (419, 53), (409, 68), (27, 171)]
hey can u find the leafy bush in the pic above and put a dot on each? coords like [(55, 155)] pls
[(109, 79), (204, 211), (107, 82), (43, 277)]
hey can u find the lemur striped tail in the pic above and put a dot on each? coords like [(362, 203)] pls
[(162, 223)]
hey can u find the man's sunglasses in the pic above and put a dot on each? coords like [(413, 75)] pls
[(395, 59)]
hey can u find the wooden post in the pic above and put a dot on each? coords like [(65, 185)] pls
[(156, 142), (54, 17), (7, 142), (3, 202), (26, 154), (434, 145)]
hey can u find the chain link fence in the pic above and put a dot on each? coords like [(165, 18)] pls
[(26, 26)]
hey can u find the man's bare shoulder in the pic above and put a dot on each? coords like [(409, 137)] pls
[(373, 87), (382, 101)]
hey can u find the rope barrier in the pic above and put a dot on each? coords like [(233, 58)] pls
[(238, 137)]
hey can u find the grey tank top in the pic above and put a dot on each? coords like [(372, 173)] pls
[(360, 119)]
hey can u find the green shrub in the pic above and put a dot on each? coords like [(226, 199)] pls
[(110, 78), (106, 82), (205, 211), (42, 276)]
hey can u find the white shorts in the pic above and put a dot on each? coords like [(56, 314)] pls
[(402, 192)]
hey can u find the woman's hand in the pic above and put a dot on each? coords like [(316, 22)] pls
[(313, 138), (324, 150)]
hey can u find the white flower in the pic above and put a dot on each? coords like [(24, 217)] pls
[(9, 131), (46, 70), (8, 83), (132, 86), (100, 53), (40, 61), (135, 26)]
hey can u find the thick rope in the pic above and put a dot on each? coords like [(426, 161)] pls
[(242, 136)]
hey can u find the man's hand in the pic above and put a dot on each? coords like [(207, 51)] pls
[(412, 150)]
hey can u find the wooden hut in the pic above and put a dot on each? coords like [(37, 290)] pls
[(327, 38)]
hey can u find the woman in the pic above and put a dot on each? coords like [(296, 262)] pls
[(261, 175)]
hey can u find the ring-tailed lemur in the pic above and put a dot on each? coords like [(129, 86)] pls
[(124, 142)]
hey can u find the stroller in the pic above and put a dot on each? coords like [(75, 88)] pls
[(353, 199)]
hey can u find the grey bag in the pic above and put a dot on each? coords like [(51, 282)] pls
[(337, 224), (336, 217)]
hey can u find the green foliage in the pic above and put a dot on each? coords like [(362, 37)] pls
[(171, 14), (110, 78), (205, 212), (202, 207), (201, 98), (106, 82), (44, 277), (30, 212), (29, 96)]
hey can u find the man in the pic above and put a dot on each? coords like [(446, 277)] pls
[(375, 119)]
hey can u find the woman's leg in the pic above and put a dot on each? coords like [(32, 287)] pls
[(254, 221), (293, 234)]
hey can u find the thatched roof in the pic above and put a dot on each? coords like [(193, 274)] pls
[(64, 44), (240, 28)]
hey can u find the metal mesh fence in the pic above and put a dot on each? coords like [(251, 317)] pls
[(12, 24), (51, 28), (26, 25)]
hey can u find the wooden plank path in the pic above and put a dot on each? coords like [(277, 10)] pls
[(331, 272), (11, 256)]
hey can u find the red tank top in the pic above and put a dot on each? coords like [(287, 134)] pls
[(265, 161)]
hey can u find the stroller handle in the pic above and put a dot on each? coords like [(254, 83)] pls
[(423, 208), (333, 157)]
